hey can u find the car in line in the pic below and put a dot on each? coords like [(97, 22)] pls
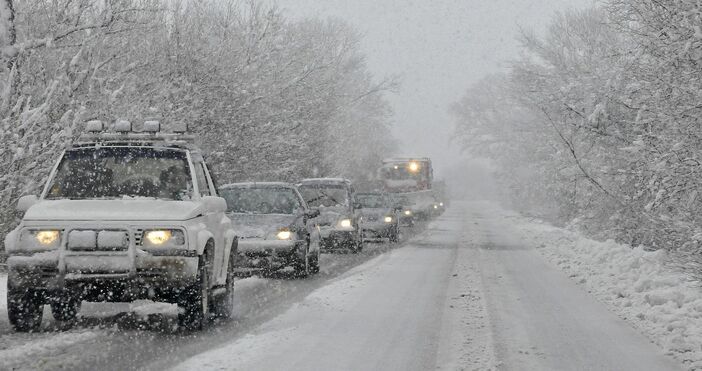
[(402, 203), (123, 216), (339, 220), (380, 218), (275, 228)]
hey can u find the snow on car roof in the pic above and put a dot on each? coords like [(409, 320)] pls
[(324, 180), (258, 185), (405, 159), (162, 140)]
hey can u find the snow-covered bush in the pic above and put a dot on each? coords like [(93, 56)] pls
[(597, 124), (271, 98)]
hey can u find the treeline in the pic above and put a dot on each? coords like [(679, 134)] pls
[(272, 99), (597, 124)]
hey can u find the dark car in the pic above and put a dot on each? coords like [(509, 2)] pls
[(407, 216), (274, 226), (379, 216), (339, 221)]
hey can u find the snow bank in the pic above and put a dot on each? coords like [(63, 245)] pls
[(636, 284), (3, 293), (52, 344)]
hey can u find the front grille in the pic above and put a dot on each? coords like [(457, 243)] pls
[(371, 218), (138, 234), (98, 240)]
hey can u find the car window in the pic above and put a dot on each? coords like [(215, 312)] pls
[(325, 195), (261, 200), (117, 172), (202, 184), (371, 201)]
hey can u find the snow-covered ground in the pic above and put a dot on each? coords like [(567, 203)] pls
[(636, 284), (384, 314), (472, 291), (3, 292)]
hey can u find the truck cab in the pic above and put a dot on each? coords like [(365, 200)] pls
[(123, 216)]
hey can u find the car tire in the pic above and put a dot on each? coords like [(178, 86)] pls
[(223, 305), (358, 246), (65, 308), (395, 235), (314, 263), (194, 301), (25, 309)]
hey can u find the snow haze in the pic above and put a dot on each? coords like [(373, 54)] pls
[(436, 48)]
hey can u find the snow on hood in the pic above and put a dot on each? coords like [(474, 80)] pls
[(133, 209), (259, 225), (331, 215)]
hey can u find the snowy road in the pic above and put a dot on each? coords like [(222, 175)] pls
[(463, 294)]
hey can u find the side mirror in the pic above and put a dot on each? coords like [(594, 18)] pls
[(25, 202), (357, 205), (312, 213), (215, 204)]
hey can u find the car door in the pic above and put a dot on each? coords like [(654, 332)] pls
[(212, 220), (310, 224)]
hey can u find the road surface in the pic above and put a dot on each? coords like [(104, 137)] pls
[(463, 293)]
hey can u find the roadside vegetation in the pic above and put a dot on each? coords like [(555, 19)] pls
[(269, 97), (597, 124)]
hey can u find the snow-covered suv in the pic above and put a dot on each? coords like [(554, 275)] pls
[(123, 216)]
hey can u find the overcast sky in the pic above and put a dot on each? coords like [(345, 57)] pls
[(438, 48)]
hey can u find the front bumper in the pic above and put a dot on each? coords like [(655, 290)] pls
[(336, 239), (262, 254), (111, 277), (378, 229)]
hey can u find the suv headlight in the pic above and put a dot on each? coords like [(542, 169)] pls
[(40, 238), (388, 219), (345, 223), (161, 237), (408, 212), (283, 234)]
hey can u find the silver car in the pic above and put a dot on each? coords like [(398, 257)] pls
[(275, 228), (379, 217)]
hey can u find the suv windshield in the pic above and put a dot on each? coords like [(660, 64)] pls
[(371, 201), (261, 200), (117, 172), (324, 195)]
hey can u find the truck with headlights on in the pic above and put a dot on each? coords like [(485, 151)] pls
[(411, 179), (123, 216)]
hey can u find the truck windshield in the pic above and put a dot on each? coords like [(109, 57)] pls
[(261, 200), (119, 172), (324, 195)]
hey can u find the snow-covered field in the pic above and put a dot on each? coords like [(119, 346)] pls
[(635, 284)]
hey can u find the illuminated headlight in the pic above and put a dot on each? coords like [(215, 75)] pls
[(160, 237), (413, 167), (47, 237), (41, 238), (284, 234), (388, 219), (345, 223), (408, 212), (436, 206), (441, 204)]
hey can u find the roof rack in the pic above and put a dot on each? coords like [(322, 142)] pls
[(123, 133)]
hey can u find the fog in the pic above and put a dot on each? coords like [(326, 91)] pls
[(436, 49)]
